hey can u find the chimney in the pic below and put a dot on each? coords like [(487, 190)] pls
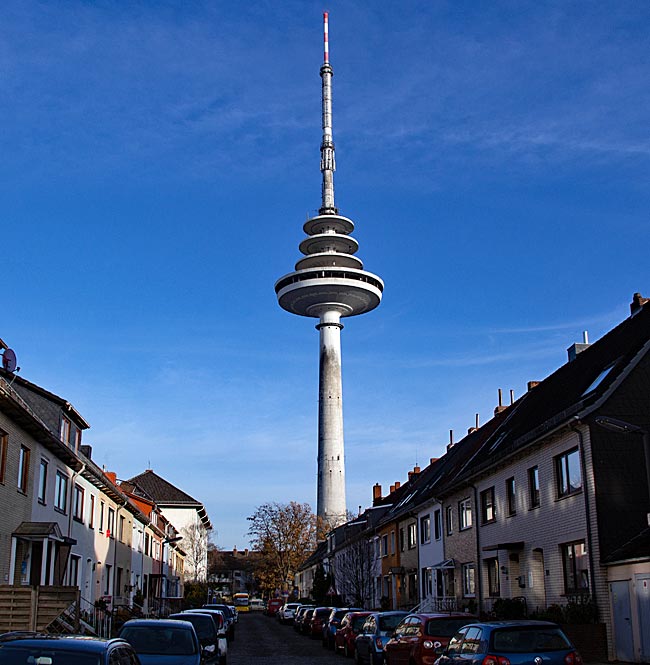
[(450, 445), (575, 349), (234, 550), (398, 484), (112, 476), (532, 384), (246, 551), (638, 301), (433, 459), (87, 451), (500, 407), (416, 470), (376, 493), (392, 489)]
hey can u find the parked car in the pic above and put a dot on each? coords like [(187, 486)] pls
[(347, 632), (377, 629), (26, 647), (306, 620), (257, 605), (300, 617), (318, 619), (333, 623), (272, 607), (287, 612), (211, 634), (162, 642), (418, 636), (228, 614), (510, 643)]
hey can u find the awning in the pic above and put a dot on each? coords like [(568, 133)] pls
[(519, 545), (38, 531), (446, 564)]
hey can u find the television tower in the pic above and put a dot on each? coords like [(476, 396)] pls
[(329, 283)]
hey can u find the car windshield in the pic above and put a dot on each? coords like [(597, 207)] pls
[(321, 614), (445, 627), (17, 655), (160, 640), (526, 640), (390, 622), (357, 623), (203, 626)]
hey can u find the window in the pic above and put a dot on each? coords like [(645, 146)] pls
[(101, 516), (492, 567), (74, 570), (437, 524), (464, 514), (4, 442), (110, 529), (469, 581), (392, 542), (107, 579), (61, 492), (401, 540), (567, 469), (412, 540), (377, 548), (487, 506), (23, 469), (78, 509), (42, 482), (147, 544), (91, 517), (511, 497), (449, 520), (384, 545), (425, 529), (77, 440), (120, 533), (66, 426), (533, 487), (576, 570)]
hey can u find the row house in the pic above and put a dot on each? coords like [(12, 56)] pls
[(546, 505), (64, 522)]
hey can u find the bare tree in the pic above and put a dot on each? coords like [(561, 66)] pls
[(285, 535), (354, 572), (195, 544)]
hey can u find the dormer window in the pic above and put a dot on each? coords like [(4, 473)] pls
[(66, 428)]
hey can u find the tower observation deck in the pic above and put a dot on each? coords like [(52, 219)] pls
[(329, 283)]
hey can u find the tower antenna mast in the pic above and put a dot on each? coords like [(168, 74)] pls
[(327, 160)]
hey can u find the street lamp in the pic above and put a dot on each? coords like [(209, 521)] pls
[(622, 427)]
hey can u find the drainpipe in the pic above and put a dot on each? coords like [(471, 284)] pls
[(583, 469), (479, 568)]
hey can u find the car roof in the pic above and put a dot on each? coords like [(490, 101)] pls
[(516, 623), (156, 623), (86, 643)]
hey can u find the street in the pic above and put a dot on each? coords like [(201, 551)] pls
[(261, 640)]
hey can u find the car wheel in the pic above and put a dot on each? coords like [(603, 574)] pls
[(357, 657)]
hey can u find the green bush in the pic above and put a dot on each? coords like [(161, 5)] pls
[(509, 608)]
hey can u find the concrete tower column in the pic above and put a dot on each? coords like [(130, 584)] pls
[(331, 506)]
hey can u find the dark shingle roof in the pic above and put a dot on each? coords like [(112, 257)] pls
[(638, 548)]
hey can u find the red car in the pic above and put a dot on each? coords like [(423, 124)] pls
[(347, 633), (272, 606), (418, 636), (318, 618)]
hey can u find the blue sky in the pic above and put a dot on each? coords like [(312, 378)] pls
[(159, 159)]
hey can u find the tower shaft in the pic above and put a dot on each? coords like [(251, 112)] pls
[(331, 505)]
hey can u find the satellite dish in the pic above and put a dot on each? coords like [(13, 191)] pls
[(9, 360)]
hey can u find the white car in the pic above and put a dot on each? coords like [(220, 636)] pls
[(287, 612)]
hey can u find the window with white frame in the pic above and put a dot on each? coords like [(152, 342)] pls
[(569, 476), (91, 516), (437, 524), (66, 428), (469, 580), (464, 514), (425, 529), (23, 468), (412, 539), (61, 492), (449, 520), (110, 529)]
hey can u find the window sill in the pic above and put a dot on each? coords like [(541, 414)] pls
[(563, 497), (79, 520), (492, 521), (59, 510)]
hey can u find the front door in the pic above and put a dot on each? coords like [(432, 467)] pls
[(623, 639), (642, 582)]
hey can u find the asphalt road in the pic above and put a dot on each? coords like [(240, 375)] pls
[(261, 640)]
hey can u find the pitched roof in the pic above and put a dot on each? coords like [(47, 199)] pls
[(167, 495), (636, 549), (573, 391)]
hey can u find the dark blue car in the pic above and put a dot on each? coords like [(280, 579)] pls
[(510, 643)]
